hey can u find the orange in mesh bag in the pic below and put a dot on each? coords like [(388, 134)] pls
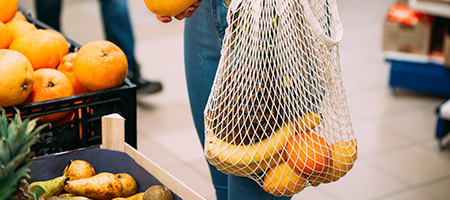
[(277, 112)]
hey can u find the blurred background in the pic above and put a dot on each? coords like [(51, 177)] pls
[(398, 156)]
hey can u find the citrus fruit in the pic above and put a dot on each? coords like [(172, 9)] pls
[(69, 117), (5, 35), (168, 7), (308, 153), (16, 78), (66, 67), (50, 84), (284, 180), (8, 9), (41, 47), (19, 28), (344, 154), (100, 65), (19, 16), (62, 41)]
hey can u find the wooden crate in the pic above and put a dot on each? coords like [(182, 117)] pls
[(115, 156)]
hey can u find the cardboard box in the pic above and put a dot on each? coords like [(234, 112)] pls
[(407, 38), (435, 1)]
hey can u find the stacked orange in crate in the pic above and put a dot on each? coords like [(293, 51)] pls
[(66, 84)]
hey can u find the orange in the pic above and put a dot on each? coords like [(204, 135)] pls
[(284, 180), (66, 67), (19, 28), (344, 155), (62, 40), (8, 9), (50, 84), (168, 7), (69, 117), (5, 35), (41, 47), (308, 153), (16, 78), (19, 16), (100, 65)]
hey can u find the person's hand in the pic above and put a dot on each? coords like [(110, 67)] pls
[(187, 13)]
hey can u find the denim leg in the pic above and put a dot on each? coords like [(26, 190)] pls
[(118, 29), (203, 37), (49, 12), (248, 189), (202, 45)]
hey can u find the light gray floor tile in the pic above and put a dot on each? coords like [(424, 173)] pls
[(412, 166), (363, 182)]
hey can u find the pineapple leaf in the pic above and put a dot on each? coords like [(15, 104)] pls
[(8, 184), (3, 172), (13, 137), (17, 161), (16, 138), (26, 144), (38, 129), (3, 124), (5, 154), (21, 136)]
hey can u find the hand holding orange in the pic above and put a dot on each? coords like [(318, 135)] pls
[(168, 8)]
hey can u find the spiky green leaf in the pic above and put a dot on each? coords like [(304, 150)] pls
[(16, 138), (5, 154), (3, 124), (18, 160), (37, 130), (3, 172), (9, 182)]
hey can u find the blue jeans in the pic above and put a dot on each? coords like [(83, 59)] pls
[(203, 36), (116, 23)]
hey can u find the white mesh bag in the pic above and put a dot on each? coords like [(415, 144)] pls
[(277, 112)]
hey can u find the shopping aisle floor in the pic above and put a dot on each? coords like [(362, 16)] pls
[(397, 159)]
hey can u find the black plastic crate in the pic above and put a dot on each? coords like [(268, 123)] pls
[(84, 129)]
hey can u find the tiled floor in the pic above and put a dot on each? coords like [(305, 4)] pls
[(397, 159)]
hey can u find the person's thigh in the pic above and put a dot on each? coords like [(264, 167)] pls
[(202, 45)]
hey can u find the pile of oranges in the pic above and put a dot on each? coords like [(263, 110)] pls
[(36, 65), (310, 159)]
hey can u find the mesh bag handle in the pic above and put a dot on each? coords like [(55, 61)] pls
[(277, 111), (324, 20)]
